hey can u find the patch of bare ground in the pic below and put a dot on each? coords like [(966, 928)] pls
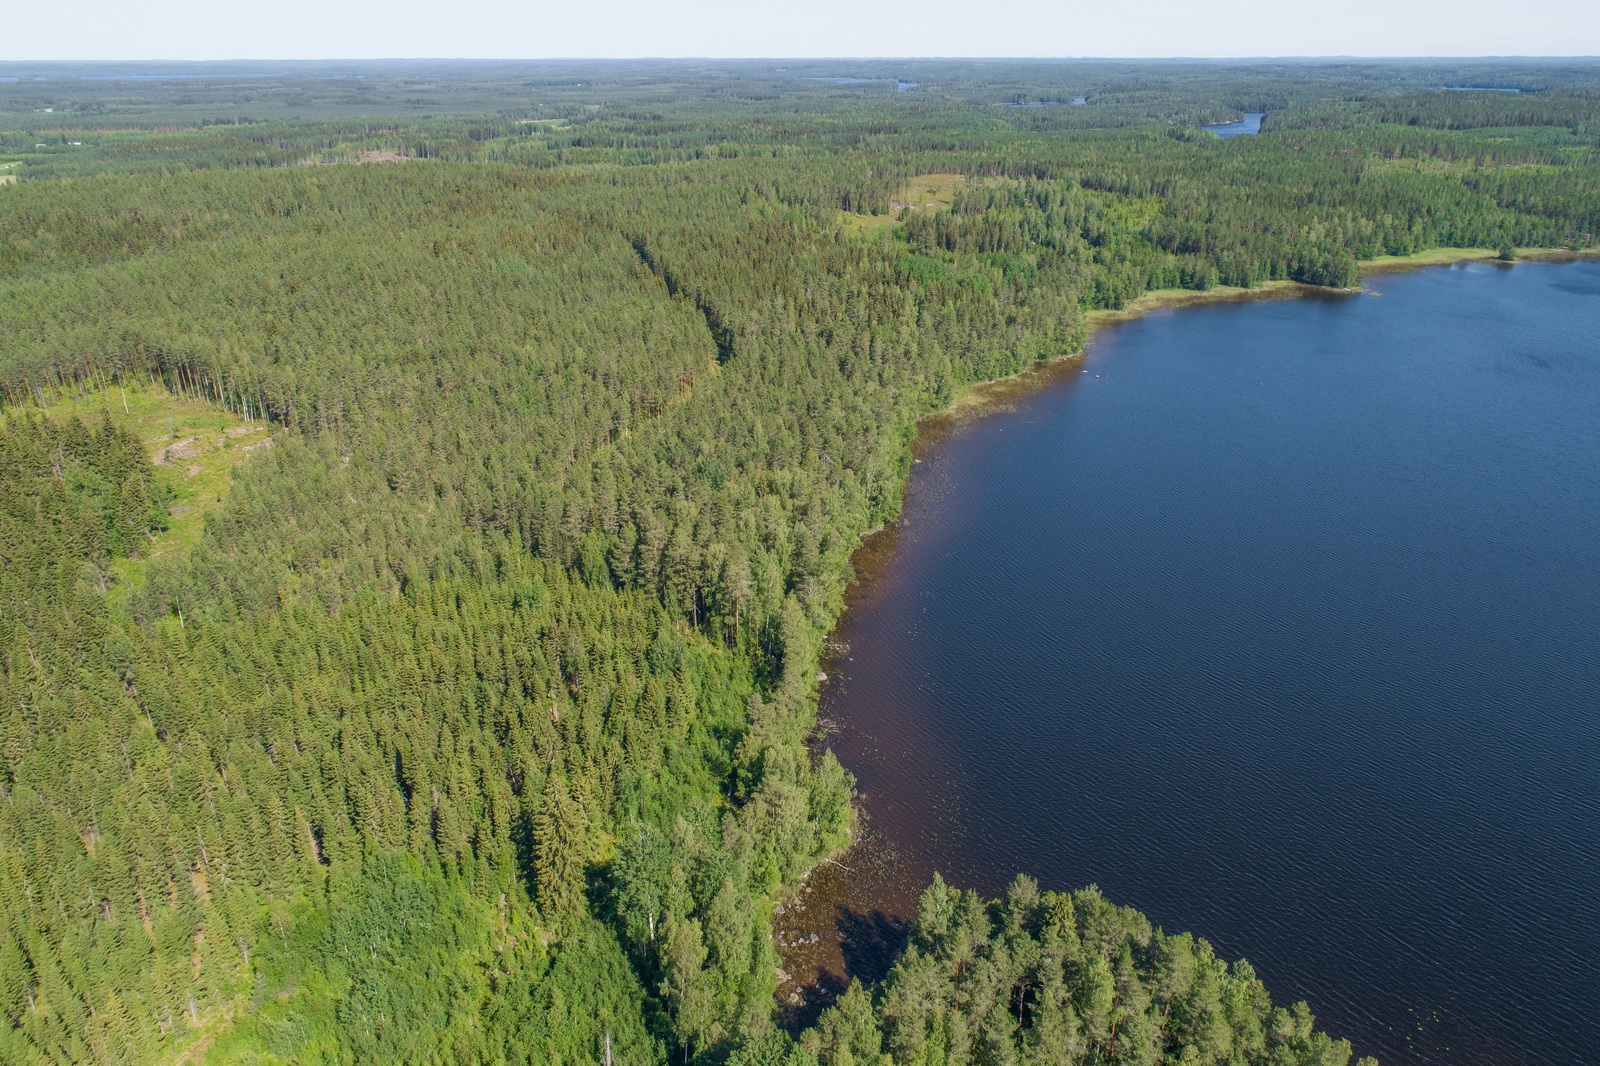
[(369, 155), (187, 448)]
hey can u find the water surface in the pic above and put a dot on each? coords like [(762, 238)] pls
[(1076, 101), (1250, 125), (1280, 621), (900, 84)]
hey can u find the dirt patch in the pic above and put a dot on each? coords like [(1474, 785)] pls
[(187, 448), (370, 155)]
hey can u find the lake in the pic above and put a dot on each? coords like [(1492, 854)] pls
[(900, 84), (1250, 125), (1279, 621)]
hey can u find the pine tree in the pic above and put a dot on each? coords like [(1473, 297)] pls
[(558, 840)]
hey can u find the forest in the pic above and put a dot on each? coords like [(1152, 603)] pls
[(468, 713)]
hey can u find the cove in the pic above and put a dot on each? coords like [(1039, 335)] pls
[(1244, 127), (1280, 622)]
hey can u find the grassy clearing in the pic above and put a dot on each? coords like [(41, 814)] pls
[(925, 192), (195, 447), (929, 192), (8, 172), (853, 223)]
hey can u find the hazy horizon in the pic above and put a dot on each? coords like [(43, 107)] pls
[(304, 30), (840, 58)]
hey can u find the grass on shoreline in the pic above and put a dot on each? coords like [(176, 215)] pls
[(1431, 257), (982, 395), (1161, 299), (1384, 264)]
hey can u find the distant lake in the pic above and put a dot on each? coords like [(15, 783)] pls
[(1078, 101), (1280, 621), (899, 86), (1250, 125)]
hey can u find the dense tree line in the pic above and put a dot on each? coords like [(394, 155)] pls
[(355, 797), (1057, 977), (475, 726)]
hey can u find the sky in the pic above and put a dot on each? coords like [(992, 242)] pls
[(531, 29)]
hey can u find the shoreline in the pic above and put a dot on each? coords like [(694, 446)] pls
[(1395, 264), (984, 397), (981, 394)]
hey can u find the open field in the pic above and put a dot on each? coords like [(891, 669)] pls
[(929, 192), (925, 192), (851, 222), (194, 445)]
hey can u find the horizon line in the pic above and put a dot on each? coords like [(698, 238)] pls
[(835, 58)]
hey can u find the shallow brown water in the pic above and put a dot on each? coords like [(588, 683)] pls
[(849, 921)]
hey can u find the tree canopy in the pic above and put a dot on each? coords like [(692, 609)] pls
[(478, 724)]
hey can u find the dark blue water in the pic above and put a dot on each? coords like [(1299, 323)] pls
[(1280, 621), (1250, 125)]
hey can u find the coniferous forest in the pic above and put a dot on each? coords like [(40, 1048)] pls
[(469, 715)]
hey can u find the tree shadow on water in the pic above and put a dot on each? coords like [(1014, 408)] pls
[(870, 943)]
